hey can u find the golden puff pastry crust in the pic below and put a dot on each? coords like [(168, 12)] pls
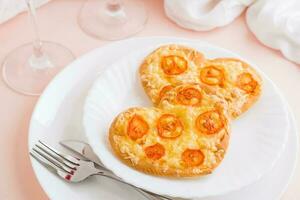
[(231, 79), (171, 142)]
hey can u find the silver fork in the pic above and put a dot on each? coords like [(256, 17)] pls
[(72, 169)]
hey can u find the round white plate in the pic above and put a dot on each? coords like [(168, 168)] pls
[(58, 116), (257, 138)]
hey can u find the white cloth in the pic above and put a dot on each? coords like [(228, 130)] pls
[(276, 23), (10, 8), (204, 15)]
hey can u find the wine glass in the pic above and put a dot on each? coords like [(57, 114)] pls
[(112, 19), (28, 68)]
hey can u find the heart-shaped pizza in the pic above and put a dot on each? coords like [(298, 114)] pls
[(172, 142), (187, 132), (231, 79)]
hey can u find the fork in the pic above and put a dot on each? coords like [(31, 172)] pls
[(73, 169)]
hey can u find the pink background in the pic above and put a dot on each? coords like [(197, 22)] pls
[(57, 21)]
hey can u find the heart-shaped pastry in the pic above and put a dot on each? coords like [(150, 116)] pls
[(173, 142), (231, 79)]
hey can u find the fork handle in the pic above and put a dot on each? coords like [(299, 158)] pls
[(147, 194)]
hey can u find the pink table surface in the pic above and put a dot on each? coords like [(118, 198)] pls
[(58, 23)]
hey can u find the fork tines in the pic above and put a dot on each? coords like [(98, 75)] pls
[(75, 170), (63, 165)]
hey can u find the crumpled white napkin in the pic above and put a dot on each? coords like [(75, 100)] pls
[(10, 8), (204, 15), (276, 23)]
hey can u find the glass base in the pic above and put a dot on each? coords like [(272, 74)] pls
[(112, 19), (27, 74)]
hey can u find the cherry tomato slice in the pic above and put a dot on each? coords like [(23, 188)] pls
[(189, 96), (169, 126), (137, 127), (246, 82), (210, 122), (155, 151), (173, 65), (164, 90), (212, 75), (192, 157)]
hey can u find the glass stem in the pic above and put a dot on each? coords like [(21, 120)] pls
[(115, 12), (37, 44)]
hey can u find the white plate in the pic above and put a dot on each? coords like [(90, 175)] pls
[(58, 114), (257, 138)]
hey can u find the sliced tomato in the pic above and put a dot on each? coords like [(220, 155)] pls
[(192, 157), (189, 96), (210, 122), (212, 75), (169, 126), (164, 90), (173, 65), (246, 82), (155, 151), (137, 127)]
